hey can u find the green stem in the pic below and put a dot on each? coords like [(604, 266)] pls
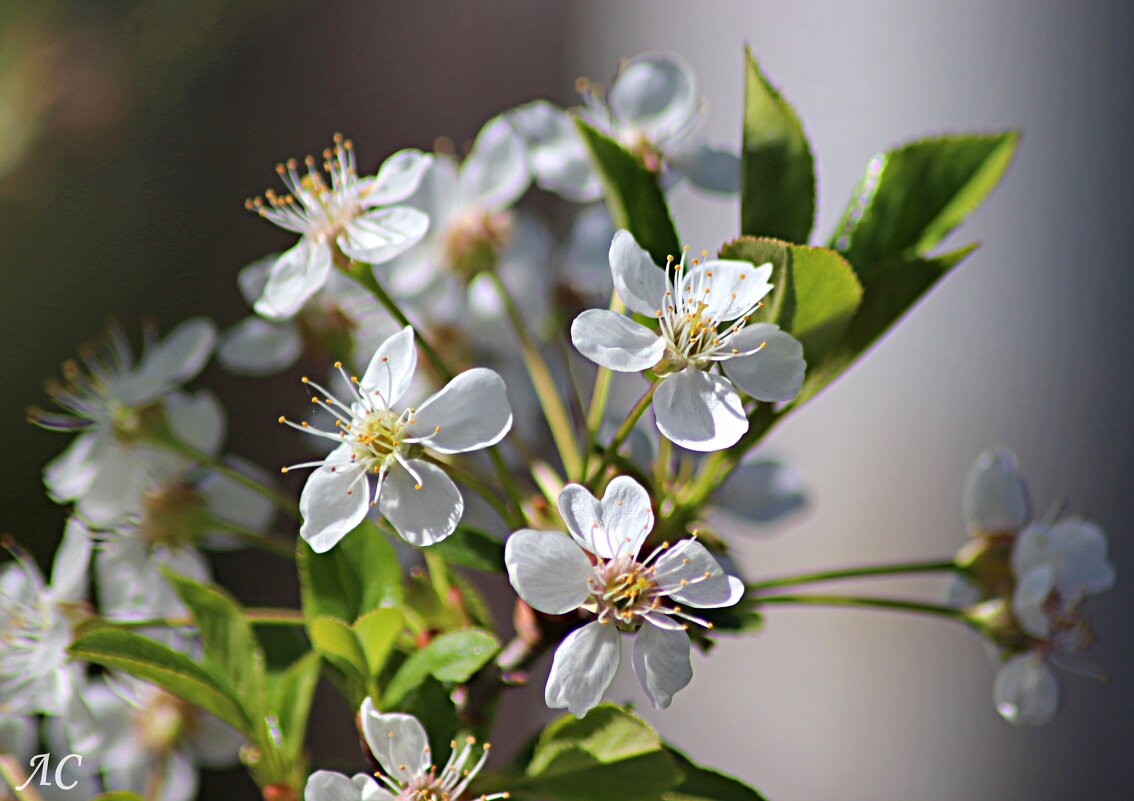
[(256, 539), (852, 572), (12, 772), (719, 466), (892, 604), (624, 431), (599, 394), (558, 420), (263, 615), (483, 490)]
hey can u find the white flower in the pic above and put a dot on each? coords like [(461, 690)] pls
[(652, 109), (401, 746), (116, 406), (702, 319), (416, 496), (356, 215), (598, 569), (35, 630)]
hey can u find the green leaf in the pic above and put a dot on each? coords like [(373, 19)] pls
[(896, 285), (608, 732), (118, 795), (337, 642), (816, 292), (359, 574), (777, 195), (913, 196), (376, 632), (169, 669), (451, 658), (633, 197), (432, 704), (290, 702), (227, 640), (470, 547), (702, 784)]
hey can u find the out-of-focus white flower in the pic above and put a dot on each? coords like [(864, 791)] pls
[(598, 569), (356, 215), (702, 319), (760, 491), (416, 496), (652, 109), (35, 630), (119, 407), (401, 746)]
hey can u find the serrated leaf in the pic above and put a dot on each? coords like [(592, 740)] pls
[(470, 547), (359, 574), (911, 197), (337, 642), (376, 632), (703, 784), (608, 732), (633, 197), (227, 640), (777, 195), (816, 292), (451, 658), (171, 670), (290, 703)]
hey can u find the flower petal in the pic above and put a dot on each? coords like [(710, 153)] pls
[(391, 368), (397, 178), (326, 785), (996, 498), (72, 562), (180, 356), (614, 341), (335, 499), (381, 235), (1026, 692), (582, 513), (661, 661), (296, 276), (470, 412), (257, 347), (728, 289), (1030, 597), (583, 667), (234, 502), (761, 491), (197, 419), (556, 154), (656, 94), (688, 573), (699, 411), (424, 509), (495, 173), (548, 570), (773, 373), (709, 168), (1076, 550), (252, 277), (70, 474), (398, 742), (627, 515), (640, 283)]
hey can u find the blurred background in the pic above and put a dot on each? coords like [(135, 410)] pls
[(131, 132)]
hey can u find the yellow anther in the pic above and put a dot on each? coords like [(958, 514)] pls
[(704, 254), (304, 379), (338, 365), (283, 469), (282, 419), (417, 486)]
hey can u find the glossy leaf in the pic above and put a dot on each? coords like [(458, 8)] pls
[(911, 197), (777, 196), (633, 197), (451, 658), (359, 574), (470, 547), (376, 632), (290, 703), (703, 784), (337, 643), (171, 670)]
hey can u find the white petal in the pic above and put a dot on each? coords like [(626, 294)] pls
[(215, 743), (253, 277), (370, 789), (177, 358), (556, 154), (761, 491), (1029, 600), (774, 372), (1074, 547), (995, 497), (728, 289), (627, 515), (640, 283), (72, 563), (70, 474), (699, 411), (582, 513), (709, 168), (397, 178), (197, 419), (234, 502), (656, 94), (1026, 692), (661, 660), (257, 347), (335, 499), (495, 173), (325, 785), (616, 342), (424, 513), (583, 667), (123, 477), (548, 570), (296, 276), (380, 235), (470, 412), (690, 574), (391, 368), (398, 742)]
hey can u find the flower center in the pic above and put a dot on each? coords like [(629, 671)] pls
[(163, 722), (376, 436), (473, 240), (623, 590), (174, 514)]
